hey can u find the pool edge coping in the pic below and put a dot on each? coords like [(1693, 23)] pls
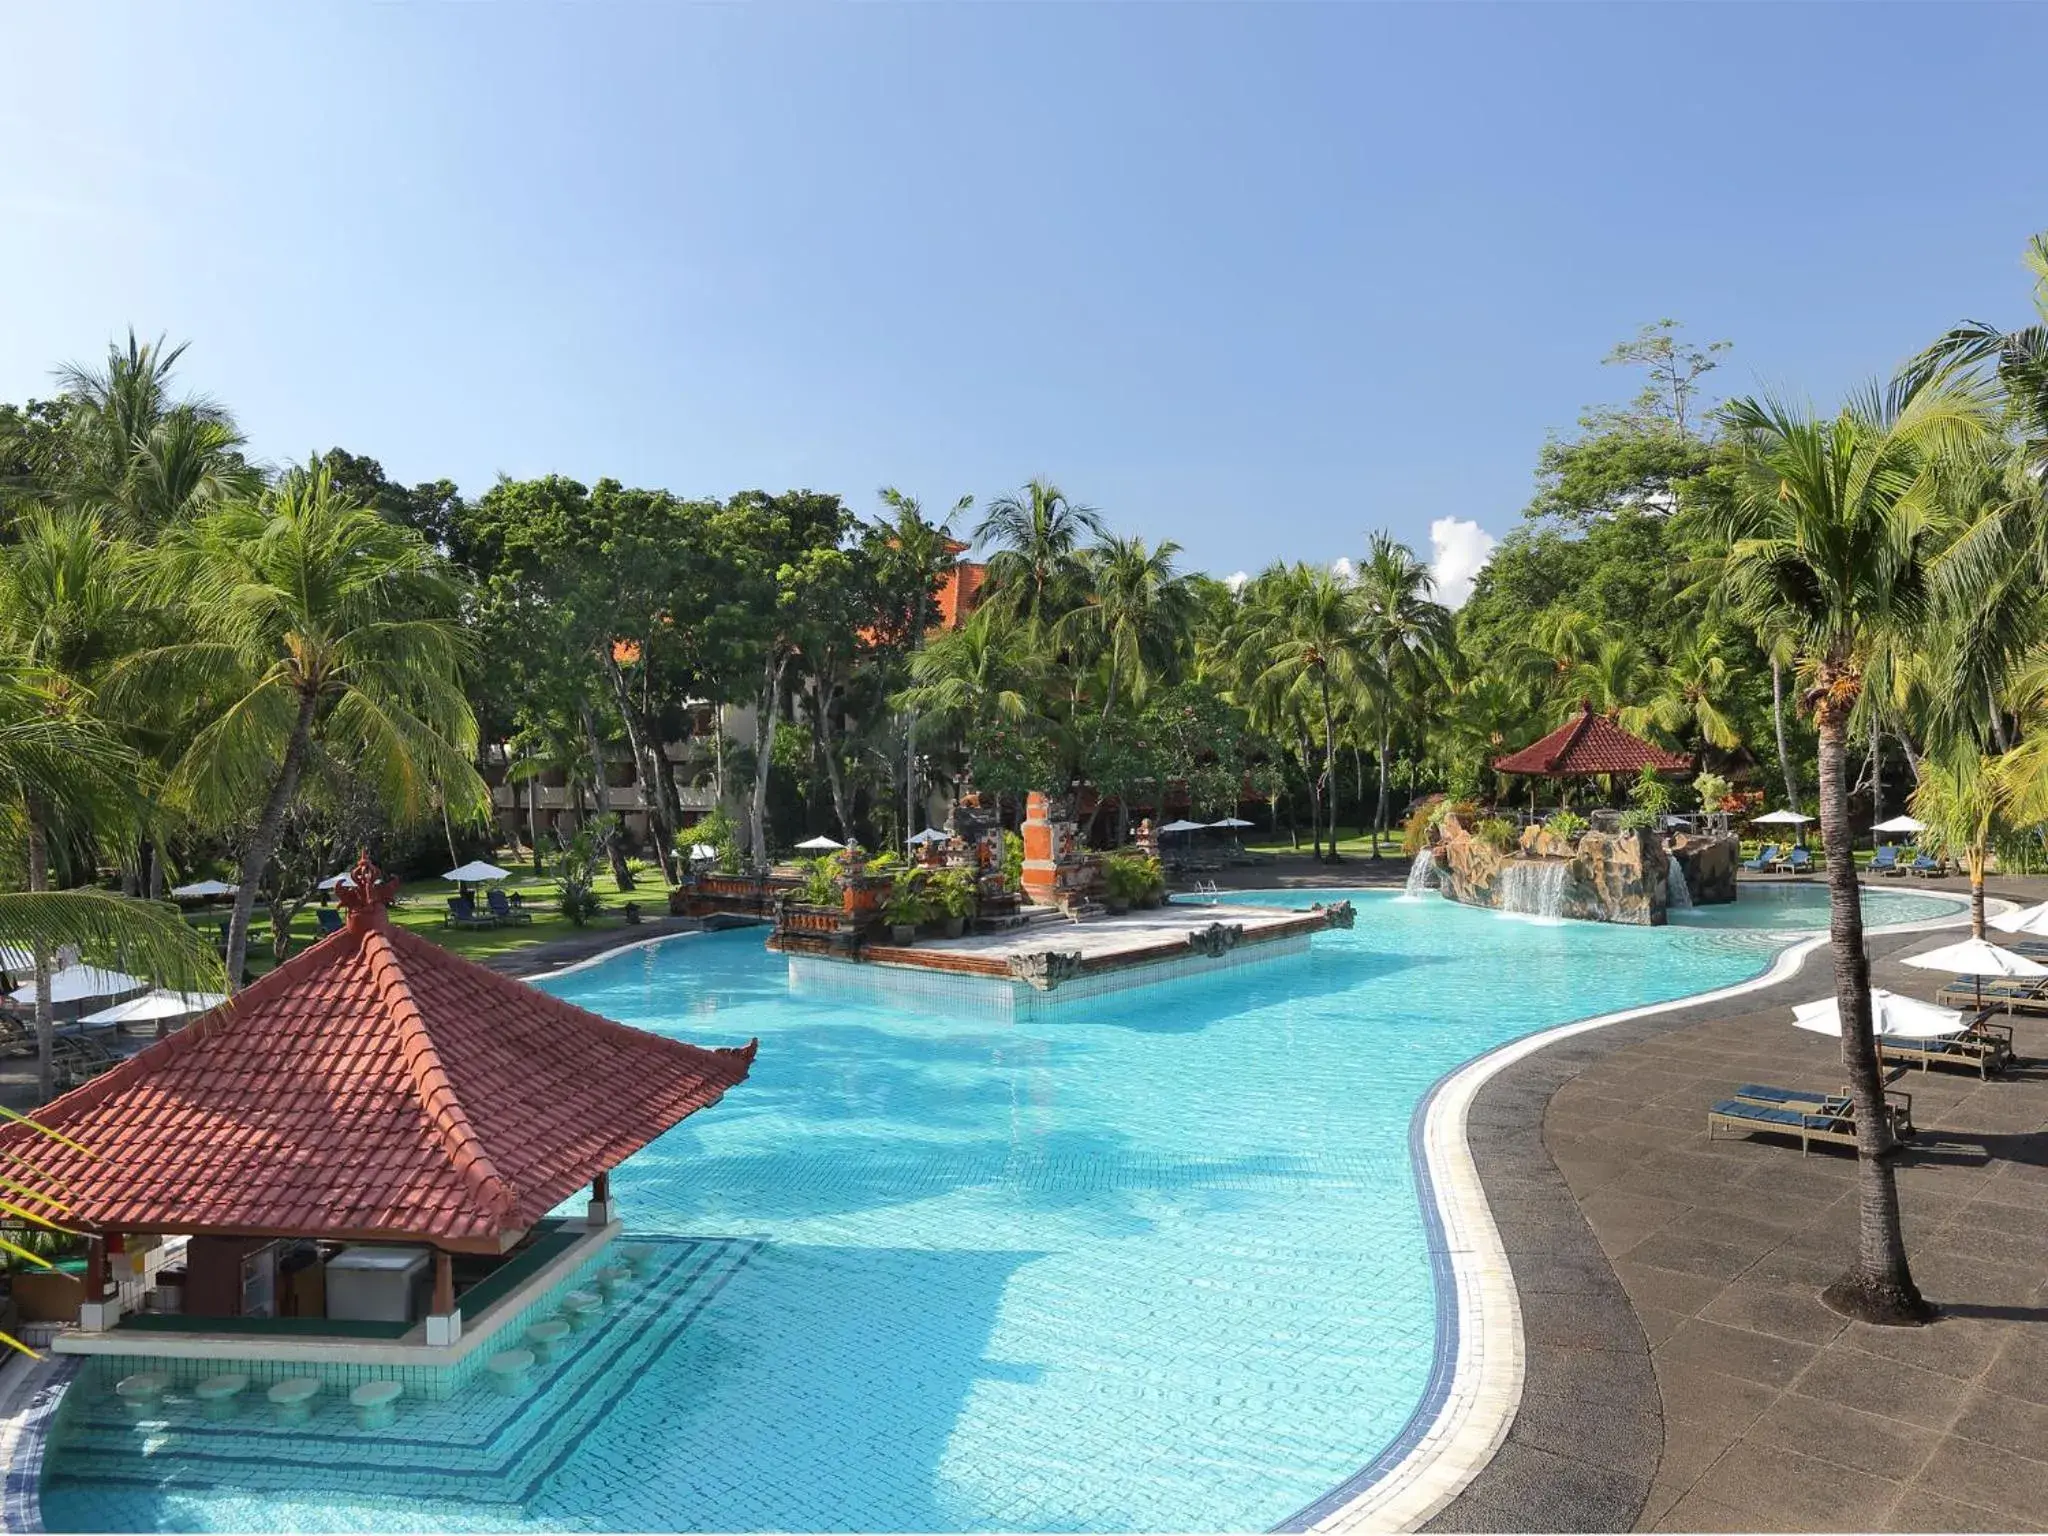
[(1466, 1411)]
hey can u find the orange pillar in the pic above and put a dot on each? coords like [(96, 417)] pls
[(1040, 856)]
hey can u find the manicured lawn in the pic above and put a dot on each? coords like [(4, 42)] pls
[(422, 904)]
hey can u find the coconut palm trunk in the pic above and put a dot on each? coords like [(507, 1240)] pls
[(1778, 724), (263, 841), (1880, 1288), (46, 1018), (1379, 820), (601, 788), (1327, 790)]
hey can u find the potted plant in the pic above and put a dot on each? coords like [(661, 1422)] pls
[(952, 900), (904, 909)]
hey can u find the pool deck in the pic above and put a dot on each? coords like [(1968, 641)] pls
[(1681, 1373)]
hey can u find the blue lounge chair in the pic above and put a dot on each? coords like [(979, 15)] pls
[(1766, 856), (329, 919), (1744, 1118), (1900, 1103), (504, 911), (1924, 866), (1798, 862), (1885, 861)]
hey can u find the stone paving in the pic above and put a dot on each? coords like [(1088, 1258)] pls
[(1683, 1374)]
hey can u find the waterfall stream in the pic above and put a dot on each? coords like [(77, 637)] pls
[(1680, 899), (1421, 874), (1533, 888)]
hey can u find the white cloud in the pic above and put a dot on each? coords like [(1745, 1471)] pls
[(1236, 580), (1460, 550), (1342, 568)]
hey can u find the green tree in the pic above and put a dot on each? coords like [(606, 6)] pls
[(1404, 633), (1830, 534), (1035, 569), (1135, 611), (311, 620)]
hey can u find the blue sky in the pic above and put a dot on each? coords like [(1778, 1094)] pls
[(1256, 278)]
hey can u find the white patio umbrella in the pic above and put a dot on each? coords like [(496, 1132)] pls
[(333, 881), (1901, 824), (1891, 1014), (2032, 920), (1977, 958), (819, 844), (702, 853), (156, 1004), (1780, 819), (76, 983), (929, 835), (1185, 826), (1233, 823), (475, 872), (203, 888)]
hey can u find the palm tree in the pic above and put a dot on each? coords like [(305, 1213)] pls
[(139, 455), (1613, 677), (981, 676), (1830, 532), (1695, 692), (1036, 536), (1137, 614), (62, 771), (1403, 632), (1306, 634), (311, 618), (928, 549), (1963, 798)]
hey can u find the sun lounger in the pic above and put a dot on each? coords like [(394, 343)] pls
[(1797, 862), (329, 920), (1745, 1117), (462, 913), (2001, 994), (1766, 856), (1885, 862), (1983, 1048), (1897, 1101), (1925, 867), (505, 912)]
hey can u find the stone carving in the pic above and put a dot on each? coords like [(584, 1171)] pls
[(1337, 914), (1215, 940), (1046, 968)]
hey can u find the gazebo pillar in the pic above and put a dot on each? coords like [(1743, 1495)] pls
[(96, 1312), (601, 1210), (444, 1321)]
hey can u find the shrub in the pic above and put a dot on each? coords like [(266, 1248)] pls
[(950, 893), (1568, 825), (1650, 793), (885, 863), (716, 829), (906, 906), (1415, 830), (576, 869), (1640, 818), (1132, 877), (1499, 833), (1712, 790), (821, 880), (1013, 862)]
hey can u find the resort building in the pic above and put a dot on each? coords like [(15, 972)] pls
[(354, 1162)]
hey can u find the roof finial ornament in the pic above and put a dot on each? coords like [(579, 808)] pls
[(367, 892)]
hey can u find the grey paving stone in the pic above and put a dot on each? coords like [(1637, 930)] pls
[(1919, 1510), (1974, 1473), (1735, 1352), (1883, 1387), (1801, 1492), (1786, 1312)]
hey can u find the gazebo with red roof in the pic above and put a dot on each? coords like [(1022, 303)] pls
[(373, 1089), (1589, 744)]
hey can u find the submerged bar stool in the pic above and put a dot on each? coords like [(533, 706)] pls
[(293, 1398), (376, 1403), (145, 1389), (580, 1308), (612, 1278), (508, 1370), (636, 1256), (219, 1396), (546, 1336)]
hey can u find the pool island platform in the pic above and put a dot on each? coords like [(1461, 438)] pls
[(1046, 950)]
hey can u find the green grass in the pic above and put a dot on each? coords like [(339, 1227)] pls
[(1350, 840), (422, 904)]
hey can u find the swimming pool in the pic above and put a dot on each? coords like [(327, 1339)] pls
[(1153, 1261)]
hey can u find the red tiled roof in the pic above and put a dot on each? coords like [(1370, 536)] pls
[(374, 1086), (1590, 743)]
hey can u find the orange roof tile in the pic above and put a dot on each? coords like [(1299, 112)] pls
[(374, 1086), (1586, 744)]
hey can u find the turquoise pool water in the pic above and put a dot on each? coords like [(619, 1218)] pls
[(1152, 1262)]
